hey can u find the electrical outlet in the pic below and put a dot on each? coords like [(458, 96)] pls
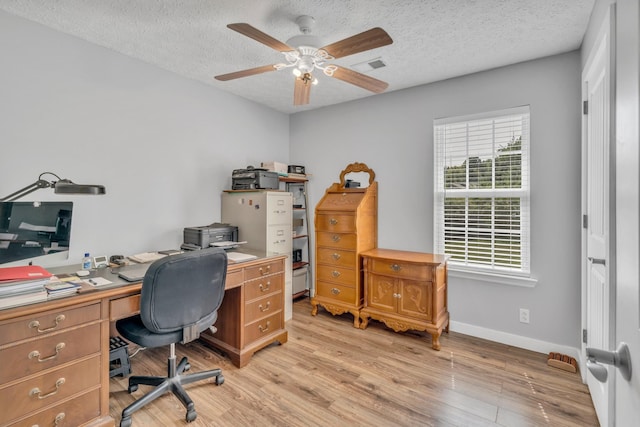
[(524, 315)]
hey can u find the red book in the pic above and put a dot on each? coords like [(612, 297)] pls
[(27, 272)]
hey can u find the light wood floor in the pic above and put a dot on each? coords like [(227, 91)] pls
[(331, 374)]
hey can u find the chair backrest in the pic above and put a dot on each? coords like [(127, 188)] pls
[(183, 291)]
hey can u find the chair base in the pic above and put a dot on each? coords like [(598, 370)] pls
[(173, 383)]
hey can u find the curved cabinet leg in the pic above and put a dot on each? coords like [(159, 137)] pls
[(435, 340), (364, 321), (356, 318), (314, 308)]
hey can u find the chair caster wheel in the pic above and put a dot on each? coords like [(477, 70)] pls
[(133, 388), (191, 416), (187, 366), (219, 379), (125, 422)]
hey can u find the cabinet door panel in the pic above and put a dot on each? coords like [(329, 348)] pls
[(415, 299), (381, 293)]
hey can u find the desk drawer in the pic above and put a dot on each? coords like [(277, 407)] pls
[(234, 279), (36, 393), (347, 241), (122, 308), (336, 274), (337, 257), (263, 270), (400, 269), (40, 324), (337, 292), (263, 287), (263, 327), (263, 307), (34, 356), (71, 413), (336, 223)]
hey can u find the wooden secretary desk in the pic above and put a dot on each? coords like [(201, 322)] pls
[(346, 224)]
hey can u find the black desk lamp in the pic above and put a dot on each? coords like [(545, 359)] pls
[(61, 186)]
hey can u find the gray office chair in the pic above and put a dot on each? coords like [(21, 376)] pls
[(180, 298)]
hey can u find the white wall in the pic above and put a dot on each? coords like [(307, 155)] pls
[(163, 146), (393, 134)]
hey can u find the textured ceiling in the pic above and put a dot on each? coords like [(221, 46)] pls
[(432, 39)]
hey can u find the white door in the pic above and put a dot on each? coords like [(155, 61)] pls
[(598, 260), (627, 404)]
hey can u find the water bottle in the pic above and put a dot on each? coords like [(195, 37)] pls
[(86, 262)]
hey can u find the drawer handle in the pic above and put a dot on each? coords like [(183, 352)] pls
[(36, 324), (264, 328), (56, 421), (335, 273), (265, 288), (396, 267), (397, 295), (36, 391), (335, 291), (59, 418), (264, 273), (336, 256), (266, 308), (36, 354), (335, 238), (333, 221)]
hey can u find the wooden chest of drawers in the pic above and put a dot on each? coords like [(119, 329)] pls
[(52, 365), (346, 223), (406, 290), (252, 313)]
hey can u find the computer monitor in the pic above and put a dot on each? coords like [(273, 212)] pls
[(34, 231)]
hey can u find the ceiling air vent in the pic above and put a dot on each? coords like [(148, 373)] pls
[(370, 65)]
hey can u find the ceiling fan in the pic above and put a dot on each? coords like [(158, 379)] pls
[(302, 54)]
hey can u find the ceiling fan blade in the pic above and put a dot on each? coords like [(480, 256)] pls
[(370, 39), (245, 73), (359, 79), (301, 92), (259, 36)]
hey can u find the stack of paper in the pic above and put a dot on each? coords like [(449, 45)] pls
[(58, 289), (23, 285)]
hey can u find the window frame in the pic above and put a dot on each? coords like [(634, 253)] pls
[(464, 268)]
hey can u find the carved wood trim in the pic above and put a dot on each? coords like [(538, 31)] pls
[(357, 167)]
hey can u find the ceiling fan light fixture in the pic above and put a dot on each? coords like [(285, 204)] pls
[(297, 72)]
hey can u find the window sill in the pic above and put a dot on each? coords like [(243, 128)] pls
[(497, 278)]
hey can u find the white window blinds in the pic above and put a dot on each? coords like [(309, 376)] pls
[(482, 190)]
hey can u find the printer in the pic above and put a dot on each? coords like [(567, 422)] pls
[(254, 179), (202, 237)]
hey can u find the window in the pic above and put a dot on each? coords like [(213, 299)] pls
[(482, 191)]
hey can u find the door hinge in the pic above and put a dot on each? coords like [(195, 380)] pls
[(585, 221), (585, 107), (584, 336)]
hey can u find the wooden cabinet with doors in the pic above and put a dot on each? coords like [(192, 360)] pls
[(406, 290), (346, 224)]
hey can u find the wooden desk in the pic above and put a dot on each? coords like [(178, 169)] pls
[(55, 354)]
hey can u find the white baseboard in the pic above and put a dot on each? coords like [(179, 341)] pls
[(516, 340)]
